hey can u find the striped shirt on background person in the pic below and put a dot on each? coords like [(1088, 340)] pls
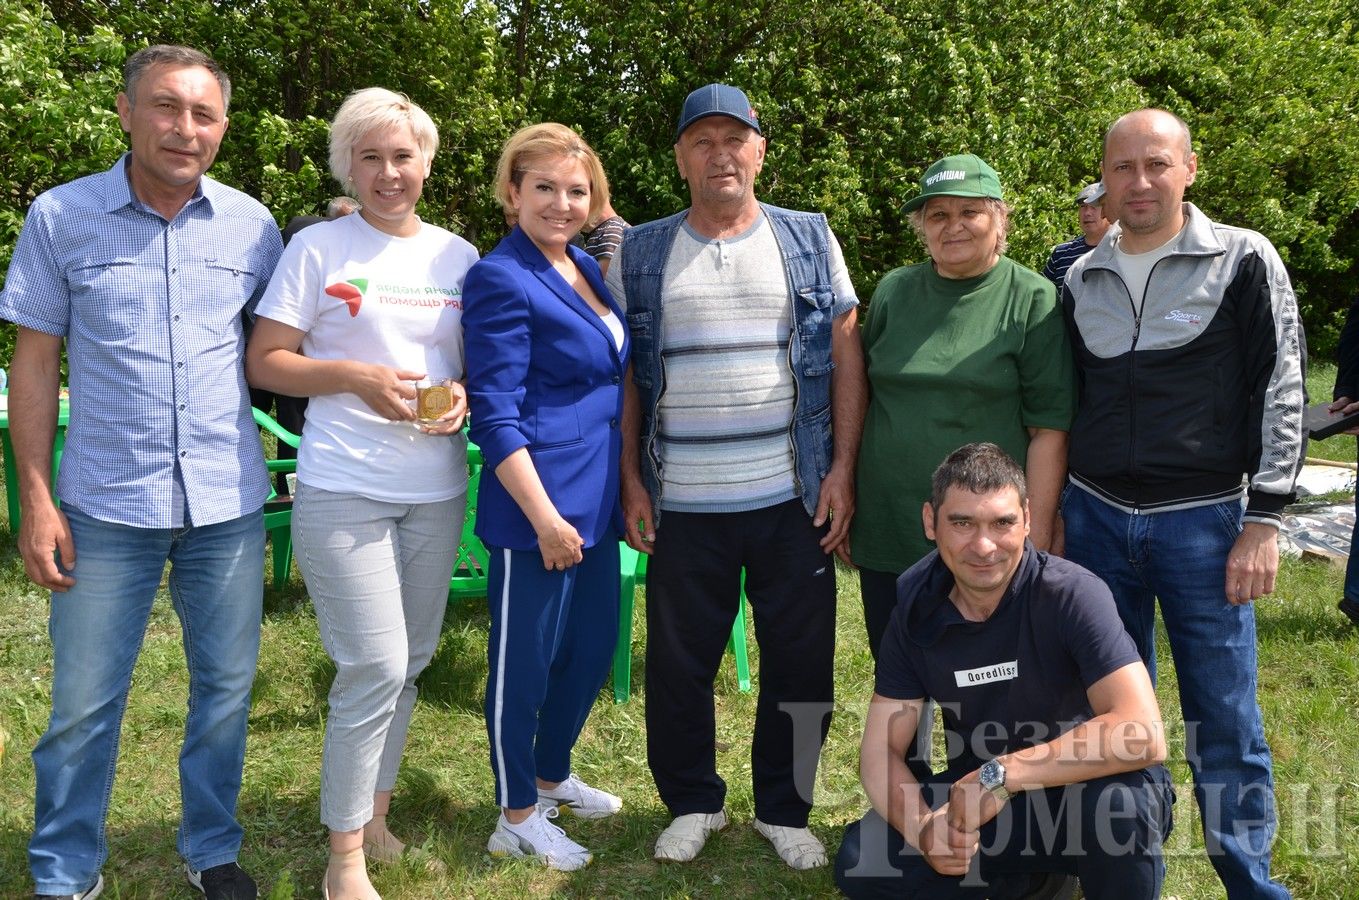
[(1063, 255), (602, 241)]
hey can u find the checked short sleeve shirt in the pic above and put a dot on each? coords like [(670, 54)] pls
[(151, 314)]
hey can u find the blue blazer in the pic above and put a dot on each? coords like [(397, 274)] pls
[(543, 372)]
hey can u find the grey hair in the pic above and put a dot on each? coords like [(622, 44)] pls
[(341, 206), (998, 210), (173, 55), (376, 109)]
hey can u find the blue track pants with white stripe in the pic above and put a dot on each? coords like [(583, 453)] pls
[(552, 639)]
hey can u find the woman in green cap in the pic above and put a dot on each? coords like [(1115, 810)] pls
[(967, 346)]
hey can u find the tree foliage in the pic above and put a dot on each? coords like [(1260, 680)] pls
[(857, 97), (57, 120)]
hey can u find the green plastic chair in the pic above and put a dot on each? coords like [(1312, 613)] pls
[(12, 470), (632, 566), (278, 515), (473, 560)]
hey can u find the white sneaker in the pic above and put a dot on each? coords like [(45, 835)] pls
[(536, 836), (577, 798), (796, 846), (684, 838)]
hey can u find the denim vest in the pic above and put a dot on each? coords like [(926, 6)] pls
[(804, 244)]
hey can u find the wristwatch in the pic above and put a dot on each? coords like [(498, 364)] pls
[(992, 777)]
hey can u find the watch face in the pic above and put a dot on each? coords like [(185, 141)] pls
[(992, 776)]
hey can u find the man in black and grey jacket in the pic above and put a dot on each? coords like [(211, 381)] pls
[(1190, 360)]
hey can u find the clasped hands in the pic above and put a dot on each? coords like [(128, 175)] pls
[(951, 835)]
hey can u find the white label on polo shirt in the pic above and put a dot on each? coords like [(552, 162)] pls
[(1005, 671)]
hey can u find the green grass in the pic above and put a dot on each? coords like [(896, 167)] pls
[(1309, 677)]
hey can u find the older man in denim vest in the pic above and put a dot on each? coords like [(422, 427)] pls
[(742, 427)]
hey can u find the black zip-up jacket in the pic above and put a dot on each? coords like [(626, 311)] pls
[(1200, 386)]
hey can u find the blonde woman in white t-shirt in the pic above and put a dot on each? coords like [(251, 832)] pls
[(358, 309)]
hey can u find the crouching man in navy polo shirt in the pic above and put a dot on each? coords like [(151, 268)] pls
[(1054, 740)]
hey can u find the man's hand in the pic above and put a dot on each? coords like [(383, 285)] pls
[(637, 515), (836, 503), (948, 850), (1252, 563), (970, 806), (1344, 406), (43, 532)]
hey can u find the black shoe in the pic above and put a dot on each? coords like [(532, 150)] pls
[(225, 882), (87, 894), (1351, 609)]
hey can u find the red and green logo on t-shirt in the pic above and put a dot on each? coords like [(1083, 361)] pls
[(351, 292)]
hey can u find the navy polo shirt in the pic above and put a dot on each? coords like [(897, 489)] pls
[(1017, 679)]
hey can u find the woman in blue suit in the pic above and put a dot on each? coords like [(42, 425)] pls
[(546, 352)]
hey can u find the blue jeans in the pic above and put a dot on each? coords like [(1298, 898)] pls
[(1180, 558), (216, 587)]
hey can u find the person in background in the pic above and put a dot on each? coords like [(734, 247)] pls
[(966, 346), (1093, 225), (337, 207), (602, 239), (1346, 401), (144, 271), (361, 307), (546, 353)]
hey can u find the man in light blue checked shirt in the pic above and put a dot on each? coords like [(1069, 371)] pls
[(143, 271)]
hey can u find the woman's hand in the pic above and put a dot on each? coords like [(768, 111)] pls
[(451, 421), (385, 390), (560, 544)]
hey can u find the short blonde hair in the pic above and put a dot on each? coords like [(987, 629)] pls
[(544, 141), (998, 210), (376, 109)]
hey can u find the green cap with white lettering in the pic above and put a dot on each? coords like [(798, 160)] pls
[(964, 175)]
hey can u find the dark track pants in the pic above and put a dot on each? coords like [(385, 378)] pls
[(693, 591)]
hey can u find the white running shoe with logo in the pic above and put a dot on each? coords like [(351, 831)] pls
[(536, 836), (575, 797)]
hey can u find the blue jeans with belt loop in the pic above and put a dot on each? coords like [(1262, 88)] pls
[(1179, 557), (216, 588)]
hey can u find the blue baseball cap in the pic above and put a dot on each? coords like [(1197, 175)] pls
[(717, 100)]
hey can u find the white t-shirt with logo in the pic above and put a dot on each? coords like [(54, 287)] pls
[(361, 294)]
